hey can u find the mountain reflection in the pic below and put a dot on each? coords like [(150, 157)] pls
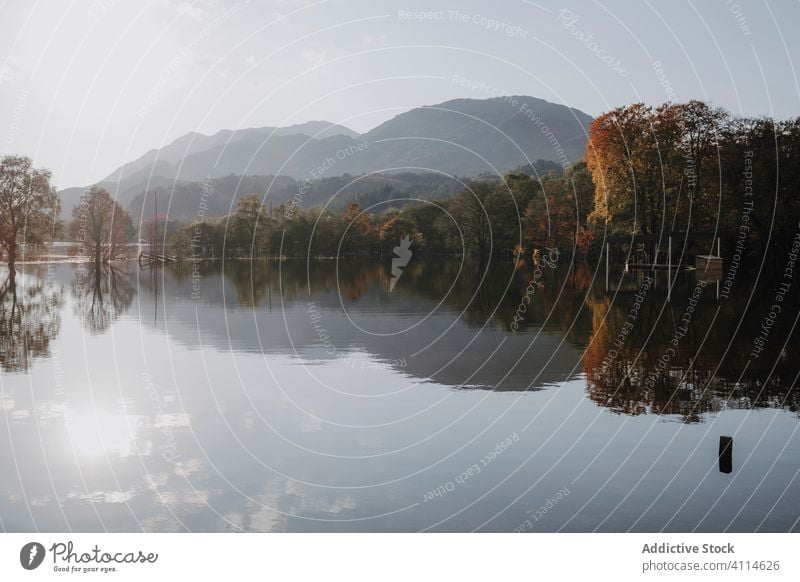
[(218, 406), (502, 327)]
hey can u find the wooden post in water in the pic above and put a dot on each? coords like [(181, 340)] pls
[(608, 253), (155, 224), (725, 454), (669, 269)]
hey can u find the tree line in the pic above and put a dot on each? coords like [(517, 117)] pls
[(672, 170), (690, 168), (489, 217)]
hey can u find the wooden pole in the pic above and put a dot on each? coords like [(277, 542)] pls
[(719, 253), (669, 269), (155, 223), (725, 454), (608, 254)]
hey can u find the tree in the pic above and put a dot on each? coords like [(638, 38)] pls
[(470, 208), (395, 229), (620, 157), (358, 234), (29, 205), (650, 167), (250, 226), (101, 226), (180, 244), (701, 129)]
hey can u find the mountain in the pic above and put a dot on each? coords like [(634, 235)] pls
[(180, 200), (468, 137), (193, 143), (462, 137)]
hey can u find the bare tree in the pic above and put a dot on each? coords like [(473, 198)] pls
[(101, 226), (29, 205)]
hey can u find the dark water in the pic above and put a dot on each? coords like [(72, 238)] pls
[(287, 396)]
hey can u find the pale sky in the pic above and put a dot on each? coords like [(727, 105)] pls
[(87, 85)]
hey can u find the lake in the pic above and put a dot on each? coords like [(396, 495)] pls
[(307, 396)]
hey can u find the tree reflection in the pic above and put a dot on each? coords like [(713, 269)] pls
[(29, 318), (707, 370), (660, 366), (103, 293)]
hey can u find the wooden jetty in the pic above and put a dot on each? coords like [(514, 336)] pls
[(658, 266), (707, 266), (149, 257), (708, 263), (157, 258)]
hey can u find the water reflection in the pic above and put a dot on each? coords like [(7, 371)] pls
[(102, 294), (686, 357), (463, 325), (30, 305), (206, 399)]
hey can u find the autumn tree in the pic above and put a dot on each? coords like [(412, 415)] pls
[(100, 226), (359, 234), (618, 155), (29, 205), (652, 167), (395, 229)]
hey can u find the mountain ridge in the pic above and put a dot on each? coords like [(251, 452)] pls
[(460, 137)]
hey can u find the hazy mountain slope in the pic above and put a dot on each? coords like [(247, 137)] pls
[(293, 155), (181, 200), (193, 143), (463, 137), (453, 137)]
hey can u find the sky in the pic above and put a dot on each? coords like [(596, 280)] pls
[(87, 85)]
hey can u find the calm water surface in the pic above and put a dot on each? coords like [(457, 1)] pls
[(286, 396)]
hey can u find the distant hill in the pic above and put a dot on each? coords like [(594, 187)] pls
[(471, 136), (194, 143), (180, 200), (462, 137)]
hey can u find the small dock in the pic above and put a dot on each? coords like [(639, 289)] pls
[(637, 247), (657, 266), (708, 263), (156, 258)]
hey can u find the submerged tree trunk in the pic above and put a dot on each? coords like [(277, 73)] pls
[(12, 261)]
